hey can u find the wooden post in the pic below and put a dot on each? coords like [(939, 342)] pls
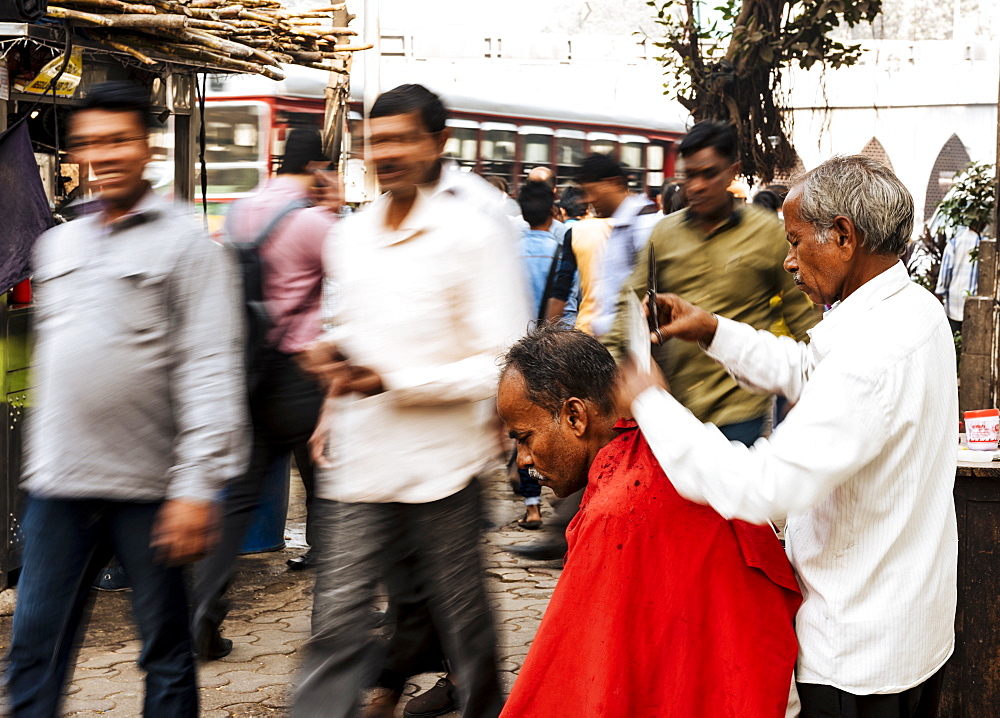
[(338, 97)]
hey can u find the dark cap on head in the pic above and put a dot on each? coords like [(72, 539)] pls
[(302, 146), (599, 167)]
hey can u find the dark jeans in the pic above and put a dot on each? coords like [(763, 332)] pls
[(66, 543), (530, 488), (361, 543), (829, 702), (284, 411), (745, 432)]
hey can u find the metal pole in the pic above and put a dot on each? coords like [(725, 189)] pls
[(995, 269), (372, 88)]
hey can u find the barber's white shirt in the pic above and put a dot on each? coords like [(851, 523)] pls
[(429, 307), (863, 466)]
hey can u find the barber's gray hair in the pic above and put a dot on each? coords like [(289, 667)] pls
[(865, 192)]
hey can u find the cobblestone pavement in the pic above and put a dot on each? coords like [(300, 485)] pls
[(270, 620)]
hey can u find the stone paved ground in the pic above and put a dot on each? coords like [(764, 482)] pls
[(270, 620)]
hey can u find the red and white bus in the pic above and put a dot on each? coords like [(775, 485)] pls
[(247, 118)]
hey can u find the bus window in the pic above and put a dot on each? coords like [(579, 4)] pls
[(236, 136), (228, 180), (632, 155), (570, 151), (654, 158), (462, 146), (232, 132), (654, 163), (498, 150), (161, 141), (160, 171), (537, 149), (602, 143)]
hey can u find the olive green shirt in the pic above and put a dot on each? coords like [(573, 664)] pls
[(733, 271)]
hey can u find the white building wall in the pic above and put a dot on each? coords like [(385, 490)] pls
[(910, 96)]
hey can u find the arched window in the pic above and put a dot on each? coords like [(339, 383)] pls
[(952, 159), (874, 150)]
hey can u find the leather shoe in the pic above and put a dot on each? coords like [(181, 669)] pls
[(539, 550), (301, 563), (209, 645), (436, 701)]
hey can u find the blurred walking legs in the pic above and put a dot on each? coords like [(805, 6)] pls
[(360, 542), (66, 544)]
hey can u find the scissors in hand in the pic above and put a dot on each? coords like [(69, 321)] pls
[(652, 309)]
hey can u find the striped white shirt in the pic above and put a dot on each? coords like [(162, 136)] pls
[(863, 466)]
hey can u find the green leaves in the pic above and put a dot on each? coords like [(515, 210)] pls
[(971, 199), (757, 39)]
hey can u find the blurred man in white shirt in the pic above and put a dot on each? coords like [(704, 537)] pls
[(430, 294)]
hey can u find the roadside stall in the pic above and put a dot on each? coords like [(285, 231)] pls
[(50, 56)]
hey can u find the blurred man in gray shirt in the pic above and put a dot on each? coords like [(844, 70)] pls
[(139, 418)]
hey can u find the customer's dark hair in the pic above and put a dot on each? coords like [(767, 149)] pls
[(571, 204), (117, 96), (405, 99), (535, 200), (599, 167), (558, 363), (718, 135)]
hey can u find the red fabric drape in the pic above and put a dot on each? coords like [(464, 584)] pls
[(664, 608)]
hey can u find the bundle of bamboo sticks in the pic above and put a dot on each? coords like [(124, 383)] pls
[(252, 36)]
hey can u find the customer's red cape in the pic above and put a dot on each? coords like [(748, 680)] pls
[(664, 608)]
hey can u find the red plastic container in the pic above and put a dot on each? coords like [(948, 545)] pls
[(21, 293)]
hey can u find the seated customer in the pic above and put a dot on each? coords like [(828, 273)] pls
[(664, 608)]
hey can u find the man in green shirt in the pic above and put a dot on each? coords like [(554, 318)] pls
[(725, 256)]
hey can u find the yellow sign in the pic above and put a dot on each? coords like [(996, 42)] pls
[(68, 81)]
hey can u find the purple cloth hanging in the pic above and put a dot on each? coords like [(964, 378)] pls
[(24, 209)]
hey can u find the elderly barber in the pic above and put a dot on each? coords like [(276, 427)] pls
[(864, 464)]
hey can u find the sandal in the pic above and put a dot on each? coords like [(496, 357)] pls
[(530, 525)]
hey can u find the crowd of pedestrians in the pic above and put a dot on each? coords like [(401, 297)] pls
[(628, 346)]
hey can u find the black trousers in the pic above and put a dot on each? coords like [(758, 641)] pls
[(414, 646), (284, 410), (921, 701)]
